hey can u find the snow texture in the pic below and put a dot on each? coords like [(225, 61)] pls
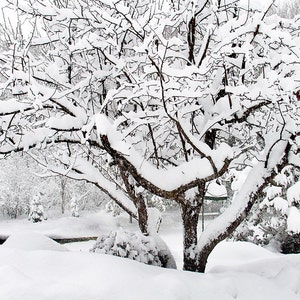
[(293, 193), (236, 271), (293, 220)]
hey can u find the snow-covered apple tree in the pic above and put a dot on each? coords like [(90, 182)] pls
[(158, 97)]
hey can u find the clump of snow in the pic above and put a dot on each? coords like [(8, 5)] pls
[(32, 241), (293, 220), (293, 193), (274, 191), (280, 204), (216, 189), (281, 179)]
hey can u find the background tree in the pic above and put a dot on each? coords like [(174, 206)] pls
[(17, 184), (158, 98), (288, 9)]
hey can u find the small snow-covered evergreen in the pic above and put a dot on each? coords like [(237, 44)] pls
[(36, 213)]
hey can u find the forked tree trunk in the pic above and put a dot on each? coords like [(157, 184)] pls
[(236, 217)]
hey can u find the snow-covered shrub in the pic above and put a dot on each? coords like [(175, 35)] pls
[(291, 243), (149, 250), (13, 204), (276, 219), (113, 208), (37, 213), (160, 203)]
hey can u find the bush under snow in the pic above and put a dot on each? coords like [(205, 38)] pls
[(149, 250)]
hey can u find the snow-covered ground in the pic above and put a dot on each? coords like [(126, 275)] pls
[(33, 266)]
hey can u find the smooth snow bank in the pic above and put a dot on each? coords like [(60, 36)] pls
[(56, 275), (228, 254), (64, 226), (32, 241)]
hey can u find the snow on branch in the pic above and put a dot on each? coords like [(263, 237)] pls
[(81, 169), (13, 106), (26, 141)]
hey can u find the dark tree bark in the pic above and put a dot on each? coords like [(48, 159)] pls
[(190, 213), (190, 218), (138, 201), (191, 39)]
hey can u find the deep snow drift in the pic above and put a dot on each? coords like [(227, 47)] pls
[(33, 267)]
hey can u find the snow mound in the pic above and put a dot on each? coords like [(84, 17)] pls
[(44, 275), (230, 254), (242, 251), (32, 241)]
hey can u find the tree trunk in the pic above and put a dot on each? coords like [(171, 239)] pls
[(190, 218), (202, 258), (203, 254), (190, 213)]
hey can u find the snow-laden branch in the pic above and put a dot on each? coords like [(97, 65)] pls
[(65, 123), (93, 175), (82, 169), (242, 203), (252, 189), (27, 140), (13, 106)]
